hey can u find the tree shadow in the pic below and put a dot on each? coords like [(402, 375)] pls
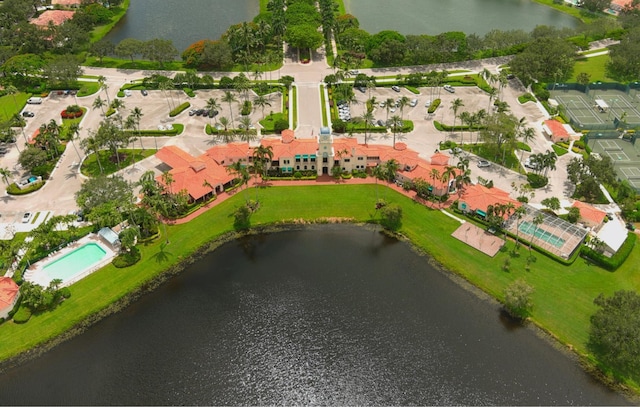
[(163, 255)]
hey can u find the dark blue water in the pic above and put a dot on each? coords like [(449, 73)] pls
[(331, 315), (182, 21)]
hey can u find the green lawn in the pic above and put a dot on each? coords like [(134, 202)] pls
[(12, 104), (91, 168), (563, 298), (594, 66)]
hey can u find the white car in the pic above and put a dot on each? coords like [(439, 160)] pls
[(127, 92), (26, 217), (449, 88), (483, 164)]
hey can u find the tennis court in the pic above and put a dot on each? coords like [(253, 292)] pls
[(600, 107), (624, 154)]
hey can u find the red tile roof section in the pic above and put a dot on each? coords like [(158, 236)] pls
[(557, 128), (480, 197), (56, 16), (590, 213), (8, 292)]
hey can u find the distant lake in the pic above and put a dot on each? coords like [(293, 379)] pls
[(469, 16), (182, 21)]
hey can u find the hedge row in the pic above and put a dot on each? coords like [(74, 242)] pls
[(179, 109), (434, 105), (14, 190), (611, 263)]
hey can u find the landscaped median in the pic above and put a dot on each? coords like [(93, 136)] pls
[(563, 297)]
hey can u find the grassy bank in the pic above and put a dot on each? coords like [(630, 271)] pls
[(99, 32), (563, 298)]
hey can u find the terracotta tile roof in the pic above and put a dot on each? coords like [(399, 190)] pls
[(590, 213), (192, 173), (423, 170), (9, 290), (226, 154), (291, 149), (287, 136), (480, 197), (440, 159), (66, 2), (56, 16), (557, 128)]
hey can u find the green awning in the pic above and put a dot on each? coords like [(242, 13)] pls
[(481, 213), (305, 156), (297, 156)]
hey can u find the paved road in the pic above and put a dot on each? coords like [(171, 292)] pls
[(58, 194)]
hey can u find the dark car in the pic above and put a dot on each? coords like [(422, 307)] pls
[(213, 113), (144, 92), (27, 113), (511, 76), (630, 226), (361, 89), (380, 122)]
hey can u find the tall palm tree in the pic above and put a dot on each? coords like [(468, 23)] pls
[(5, 173), (448, 173), (212, 104), (241, 173), (74, 134), (388, 104), (261, 101), (492, 92), (137, 114), (91, 144), (465, 118), (98, 103), (519, 214), (367, 117), (396, 124), (378, 173), (230, 98), (247, 134), (391, 168), (537, 221), (22, 123), (402, 103), (456, 104), (103, 86), (527, 135)]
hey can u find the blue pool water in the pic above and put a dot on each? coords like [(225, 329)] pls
[(33, 179), (75, 262), (531, 229)]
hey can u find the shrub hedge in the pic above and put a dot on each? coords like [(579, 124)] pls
[(537, 180), (126, 259), (615, 261), (189, 92), (14, 190), (179, 109), (434, 105), (559, 150), (22, 316)]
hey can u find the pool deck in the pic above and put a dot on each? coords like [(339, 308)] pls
[(479, 239), (35, 273)]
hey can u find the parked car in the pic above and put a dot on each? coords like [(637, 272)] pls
[(483, 164), (192, 112), (455, 150), (361, 89), (127, 92), (354, 72), (380, 122), (34, 101), (413, 103), (382, 104), (27, 113), (427, 103), (631, 226), (26, 217), (212, 113), (530, 164), (396, 88), (144, 92), (511, 76), (449, 88)]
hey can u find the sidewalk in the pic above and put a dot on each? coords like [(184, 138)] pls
[(321, 180)]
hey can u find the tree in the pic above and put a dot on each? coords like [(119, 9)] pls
[(74, 133), (517, 299), (304, 36), (98, 103), (595, 5), (537, 221), (391, 216), (615, 330), (97, 191), (261, 101), (63, 71), (128, 48), (229, 98), (624, 62), (159, 50), (546, 59), (102, 48), (588, 173), (5, 173), (456, 104), (242, 175), (553, 203)]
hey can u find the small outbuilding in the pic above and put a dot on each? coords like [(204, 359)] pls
[(109, 236)]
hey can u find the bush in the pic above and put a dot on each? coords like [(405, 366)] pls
[(434, 105), (412, 89), (14, 190), (66, 114), (615, 261), (121, 93), (280, 125), (189, 92), (179, 109), (126, 259), (559, 150), (22, 316), (527, 97), (65, 292), (537, 180), (246, 108), (523, 146)]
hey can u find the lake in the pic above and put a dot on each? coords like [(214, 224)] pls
[(469, 16), (182, 21), (325, 315), (187, 21)]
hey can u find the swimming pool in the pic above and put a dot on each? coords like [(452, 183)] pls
[(533, 230), (74, 263)]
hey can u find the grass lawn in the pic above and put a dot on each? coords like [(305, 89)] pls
[(91, 168), (594, 66), (88, 88), (324, 106), (12, 104), (563, 297)]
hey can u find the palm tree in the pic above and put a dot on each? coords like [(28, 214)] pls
[(527, 135), (103, 86), (367, 117), (92, 145), (98, 103), (518, 214), (391, 168), (245, 125), (229, 98), (492, 94), (212, 104), (465, 118), (388, 104), (402, 103), (396, 123), (5, 172), (456, 104), (537, 220), (22, 123), (130, 124), (448, 173), (378, 173), (53, 132), (137, 114), (241, 173), (74, 133), (261, 101), (435, 175), (261, 157)]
